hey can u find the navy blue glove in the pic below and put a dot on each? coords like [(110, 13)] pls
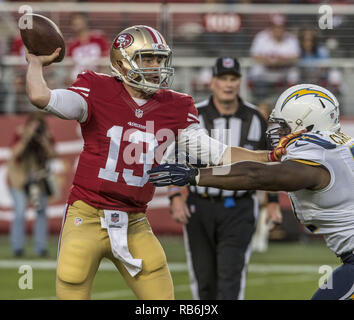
[(176, 174)]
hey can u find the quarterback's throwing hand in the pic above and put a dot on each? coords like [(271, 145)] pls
[(280, 150), (176, 174)]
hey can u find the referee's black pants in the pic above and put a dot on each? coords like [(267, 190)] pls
[(218, 246)]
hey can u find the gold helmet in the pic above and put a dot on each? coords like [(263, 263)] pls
[(127, 51)]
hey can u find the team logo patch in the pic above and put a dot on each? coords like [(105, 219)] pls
[(77, 221), (159, 46), (304, 92), (123, 41), (115, 217), (139, 113), (228, 63)]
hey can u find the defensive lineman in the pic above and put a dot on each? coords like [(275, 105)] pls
[(317, 171)]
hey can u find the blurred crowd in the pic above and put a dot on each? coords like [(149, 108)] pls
[(284, 49)]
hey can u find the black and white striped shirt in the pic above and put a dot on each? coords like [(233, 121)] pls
[(246, 128)]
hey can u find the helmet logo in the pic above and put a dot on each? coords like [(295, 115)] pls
[(123, 41), (159, 46), (304, 92)]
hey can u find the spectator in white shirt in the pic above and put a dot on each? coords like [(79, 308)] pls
[(275, 51)]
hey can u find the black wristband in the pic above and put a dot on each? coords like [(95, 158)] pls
[(174, 195), (273, 197)]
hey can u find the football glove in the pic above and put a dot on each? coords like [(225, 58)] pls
[(280, 150), (173, 174)]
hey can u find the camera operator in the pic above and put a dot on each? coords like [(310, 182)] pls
[(29, 179)]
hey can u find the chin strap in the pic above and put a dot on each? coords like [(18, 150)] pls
[(142, 88)]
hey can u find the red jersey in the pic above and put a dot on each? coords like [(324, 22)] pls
[(85, 54), (122, 140), (96, 46)]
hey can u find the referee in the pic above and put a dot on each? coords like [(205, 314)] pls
[(219, 224)]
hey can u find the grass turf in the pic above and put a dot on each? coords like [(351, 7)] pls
[(286, 271)]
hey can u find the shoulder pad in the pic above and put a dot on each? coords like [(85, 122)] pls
[(171, 96), (311, 139), (310, 147)]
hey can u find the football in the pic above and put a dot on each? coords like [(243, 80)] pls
[(41, 36)]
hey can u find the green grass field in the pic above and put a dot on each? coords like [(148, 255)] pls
[(286, 271)]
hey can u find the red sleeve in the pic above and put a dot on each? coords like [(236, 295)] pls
[(82, 85), (191, 114)]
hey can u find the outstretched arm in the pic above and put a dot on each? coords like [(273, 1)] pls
[(36, 87), (236, 154), (285, 176), (247, 175), (65, 104)]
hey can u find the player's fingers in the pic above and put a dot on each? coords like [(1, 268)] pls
[(186, 212), (278, 218), (56, 53), (284, 140), (47, 60), (300, 132), (183, 220), (28, 55), (279, 152), (158, 169), (159, 177), (179, 217)]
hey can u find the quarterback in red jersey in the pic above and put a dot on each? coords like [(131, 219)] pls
[(128, 120)]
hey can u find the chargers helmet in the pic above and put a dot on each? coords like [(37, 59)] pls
[(303, 106), (126, 54)]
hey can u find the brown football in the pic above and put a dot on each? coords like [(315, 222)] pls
[(44, 36)]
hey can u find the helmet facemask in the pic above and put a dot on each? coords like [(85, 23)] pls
[(277, 129), (138, 77), (141, 75)]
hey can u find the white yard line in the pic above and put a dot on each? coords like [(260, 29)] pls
[(128, 294), (124, 293), (174, 267), (285, 279)]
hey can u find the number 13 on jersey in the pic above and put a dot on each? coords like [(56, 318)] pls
[(146, 159)]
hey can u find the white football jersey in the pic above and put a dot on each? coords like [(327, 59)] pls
[(330, 211)]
